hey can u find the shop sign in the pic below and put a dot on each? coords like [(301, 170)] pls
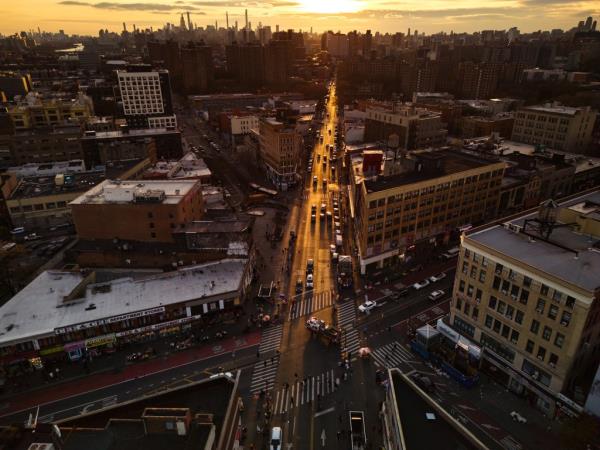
[(158, 326), (51, 350), (74, 346), (114, 319), (100, 340)]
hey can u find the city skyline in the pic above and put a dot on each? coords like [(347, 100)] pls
[(87, 17)]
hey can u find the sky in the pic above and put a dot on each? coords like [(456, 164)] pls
[(429, 16)]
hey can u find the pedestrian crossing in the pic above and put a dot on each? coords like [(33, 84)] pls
[(265, 371), (346, 317), (310, 303), (304, 391), (392, 355)]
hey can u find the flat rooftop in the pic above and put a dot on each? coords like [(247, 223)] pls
[(135, 133), (452, 162), (116, 191), (420, 433), (45, 185), (582, 271), (38, 309), (554, 109)]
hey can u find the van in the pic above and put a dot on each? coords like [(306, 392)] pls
[(452, 253), (275, 438)]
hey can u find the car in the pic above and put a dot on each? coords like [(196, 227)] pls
[(17, 230), (324, 164), (322, 216), (332, 248), (310, 265), (315, 180), (518, 417), (309, 281), (438, 277), (323, 207), (313, 217), (421, 284), (324, 183), (318, 158), (423, 381), (299, 286), (221, 374), (399, 293), (435, 295), (276, 436), (32, 237), (329, 215), (313, 207), (367, 306), (334, 256)]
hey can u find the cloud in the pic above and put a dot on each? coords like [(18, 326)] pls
[(247, 4), (138, 6)]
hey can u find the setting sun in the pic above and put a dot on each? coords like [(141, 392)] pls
[(331, 6)]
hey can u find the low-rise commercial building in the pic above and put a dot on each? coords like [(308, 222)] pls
[(430, 195), (37, 111), (476, 126), (190, 167), (412, 128), (555, 126), (146, 211), (528, 291), (69, 312)]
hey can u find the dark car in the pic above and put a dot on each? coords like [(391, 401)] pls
[(400, 293), (424, 382)]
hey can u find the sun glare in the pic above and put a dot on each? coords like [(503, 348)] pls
[(330, 6)]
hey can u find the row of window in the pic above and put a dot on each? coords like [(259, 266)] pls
[(37, 207)]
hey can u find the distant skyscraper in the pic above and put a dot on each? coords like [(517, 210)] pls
[(197, 68), (189, 21), (182, 22)]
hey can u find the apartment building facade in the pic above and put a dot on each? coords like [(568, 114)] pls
[(280, 150), (444, 191), (556, 127), (528, 292), (35, 111), (146, 98)]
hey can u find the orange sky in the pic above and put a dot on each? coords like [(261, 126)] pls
[(430, 16)]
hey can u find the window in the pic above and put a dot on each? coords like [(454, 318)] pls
[(458, 303), (547, 333), (475, 314), (553, 312), (150, 215), (496, 283), (566, 318), (505, 331), (473, 272), (478, 295), (488, 321), (470, 291), (526, 281), (151, 224), (153, 234), (557, 296), (497, 325), (514, 337), (559, 340), (570, 303), (514, 292), (529, 346), (509, 312), (461, 286), (493, 301), (467, 309), (465, 267), (484, 261), (540, 306), (544, 290), (535, 326), (553, 360), (505, 286), (501, 307), (541, 353), (482, 276), (499, 268), (519, 317), (524, 296)]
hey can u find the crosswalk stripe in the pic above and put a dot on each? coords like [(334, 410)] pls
[(391, 355)]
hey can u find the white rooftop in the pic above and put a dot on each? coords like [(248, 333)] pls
[(38, 309), (555, 109), (117, 191)]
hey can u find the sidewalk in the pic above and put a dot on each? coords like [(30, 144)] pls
[(78, 381)]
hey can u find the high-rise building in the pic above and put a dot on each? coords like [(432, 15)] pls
[(166, 54), (478, 81), (197, 68), (279, 58), (527, 292), (246, 63), (555, 126), (146, 98), (415, 128), (428, 195), (337, 44), (280, 149)]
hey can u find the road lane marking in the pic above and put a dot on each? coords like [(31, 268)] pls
[(325, 411)]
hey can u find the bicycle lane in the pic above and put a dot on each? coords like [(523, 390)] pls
[(87, 384)]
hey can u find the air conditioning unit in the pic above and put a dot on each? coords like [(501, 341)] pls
[(552, 365), (564, 324)]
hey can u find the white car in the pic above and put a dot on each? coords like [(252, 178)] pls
[(367, 306), (332, 248), (438, 277), (309, 281), (518, 417), (436, 295), (421, 284)]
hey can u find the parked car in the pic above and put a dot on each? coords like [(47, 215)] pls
[(423, 381), (438, 277), (367, 306), (399, 293), (421, 284), (436, 295), (310, 265), (299, 286)]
